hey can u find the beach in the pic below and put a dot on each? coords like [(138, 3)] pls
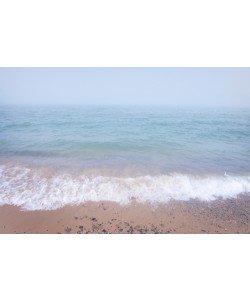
[(229, 216), (111, 169)]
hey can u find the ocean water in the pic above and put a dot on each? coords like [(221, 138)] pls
[(53, 156)]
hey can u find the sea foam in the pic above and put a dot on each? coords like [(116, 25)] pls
[(35, 189)]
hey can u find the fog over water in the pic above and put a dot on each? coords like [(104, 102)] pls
[(126, 86), (70, 135)]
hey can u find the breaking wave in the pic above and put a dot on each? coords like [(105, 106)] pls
[(36, 189)]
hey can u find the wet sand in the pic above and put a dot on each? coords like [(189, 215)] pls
[(227, 216)]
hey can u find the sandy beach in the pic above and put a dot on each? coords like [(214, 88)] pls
[(227, 216)]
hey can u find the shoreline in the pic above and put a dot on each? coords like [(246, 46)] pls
[(219, 216)]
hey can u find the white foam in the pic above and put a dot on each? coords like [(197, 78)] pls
[(36, 189)]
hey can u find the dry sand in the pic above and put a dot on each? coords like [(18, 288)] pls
[(228, 216)]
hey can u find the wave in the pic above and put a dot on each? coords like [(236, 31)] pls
[(38, 189)]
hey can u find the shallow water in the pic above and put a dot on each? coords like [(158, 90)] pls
[(52, 156)]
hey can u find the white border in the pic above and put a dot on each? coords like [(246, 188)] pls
[(124, 267), (124, 33)]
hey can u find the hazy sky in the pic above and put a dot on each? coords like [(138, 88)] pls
[(139, 86)]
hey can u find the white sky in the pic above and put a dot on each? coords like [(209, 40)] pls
[(121, 86)]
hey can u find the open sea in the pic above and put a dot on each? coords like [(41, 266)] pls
[(58, 155)]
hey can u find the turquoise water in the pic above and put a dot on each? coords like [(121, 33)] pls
[(199, 140), (123, 143)]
